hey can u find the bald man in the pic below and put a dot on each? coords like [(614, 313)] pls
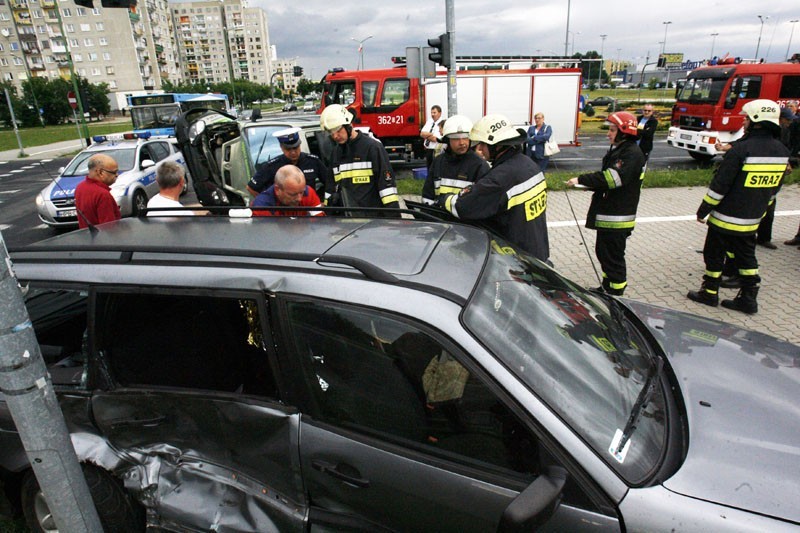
[(93, 199), (289, 190)]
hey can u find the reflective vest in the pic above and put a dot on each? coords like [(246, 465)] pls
[(362, 173), (450, 173)]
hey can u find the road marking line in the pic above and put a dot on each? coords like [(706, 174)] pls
[(5, 175), (17, 171), (28, 167), (15, 191), (4, 227)]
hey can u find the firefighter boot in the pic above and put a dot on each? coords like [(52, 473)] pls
[(707, 295), (745, 301)]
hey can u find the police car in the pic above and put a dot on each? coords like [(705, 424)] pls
[(138, 157)]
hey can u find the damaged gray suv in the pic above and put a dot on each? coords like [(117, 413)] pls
[(295, 374)]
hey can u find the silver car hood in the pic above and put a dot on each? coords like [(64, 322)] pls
[(741, 390)]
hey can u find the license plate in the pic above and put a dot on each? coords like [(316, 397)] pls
[(67, 213), (686, 137)]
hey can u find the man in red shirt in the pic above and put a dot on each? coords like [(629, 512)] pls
[(93, 199), (289, 190)]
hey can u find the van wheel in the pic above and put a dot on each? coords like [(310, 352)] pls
[(117, 511), (139, 203)]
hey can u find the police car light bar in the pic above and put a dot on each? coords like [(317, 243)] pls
[(120, 137)]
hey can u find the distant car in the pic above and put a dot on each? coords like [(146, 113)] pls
[(309, 107), (601, 101), (137, 157), (289, 106), (220, 172)]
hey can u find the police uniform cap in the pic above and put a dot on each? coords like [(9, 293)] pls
[(289, 137)]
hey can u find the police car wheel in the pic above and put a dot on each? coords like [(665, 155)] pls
[(139, 203)]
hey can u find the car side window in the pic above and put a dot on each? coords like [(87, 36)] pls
[(385, 377), (184, 341), (59, 322), (395, 93), (158, 150)]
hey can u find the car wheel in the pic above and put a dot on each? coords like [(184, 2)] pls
[(139, 203), (117, 511), (701, 157), (186, 179)]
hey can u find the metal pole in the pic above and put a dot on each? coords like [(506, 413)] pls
[(14, 124), (77, 125), (30, 397), (762, 18), (566, 35), (452, 88), (600, 71), (789, 46), (713, 40)]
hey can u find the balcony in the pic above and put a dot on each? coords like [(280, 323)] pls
[(47, 3), (58, 48), (17, 4), (159, 48)]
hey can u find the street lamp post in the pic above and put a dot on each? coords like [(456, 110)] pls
[(600, 71), (713, 40), (566, 43), (361, 42), (789, 46), (762, 18), (14, 124), (664, 44), (574, 33)]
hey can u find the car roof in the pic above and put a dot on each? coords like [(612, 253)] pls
[(438, 257)]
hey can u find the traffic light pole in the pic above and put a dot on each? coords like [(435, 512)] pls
[(75, 86), (452, 89)]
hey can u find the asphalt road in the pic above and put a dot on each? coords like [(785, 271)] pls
[(21, 181)]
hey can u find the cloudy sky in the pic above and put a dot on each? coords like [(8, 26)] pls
[(320, 32)]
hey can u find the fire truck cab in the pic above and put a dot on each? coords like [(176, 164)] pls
[(394, 107), (708, 107)]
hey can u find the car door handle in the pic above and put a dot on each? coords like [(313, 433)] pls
[(333, 471)]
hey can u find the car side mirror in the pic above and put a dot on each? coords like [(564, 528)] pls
[(61, 170), (147, 163), (536, 504)]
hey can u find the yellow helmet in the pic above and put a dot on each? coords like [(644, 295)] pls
[(497, 129), (334, 117), (762, 110)]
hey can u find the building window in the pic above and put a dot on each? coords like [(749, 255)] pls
[(17, 61), (41, 29), (70, 28), (15, 46), (88, 42), (95, 72), (4, 16), (92, 56), (109, 70), (73, 43), (112, 84), (7, 76), (66, 12), (103, 41), (3, 61), (82, 72), (95, 11), (37, 13), (86, 27), (81, 12), (99, 26), (77, 58)]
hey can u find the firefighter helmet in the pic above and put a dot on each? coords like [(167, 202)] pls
[(457, 127), (334, 117), (762, 111), (497, 130), (625, 122)]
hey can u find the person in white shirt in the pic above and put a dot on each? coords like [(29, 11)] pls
[(170, 177), (431, 133)]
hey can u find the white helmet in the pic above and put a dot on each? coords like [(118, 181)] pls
[(457, 127), (497, 129), (762, 111), (334, 117)]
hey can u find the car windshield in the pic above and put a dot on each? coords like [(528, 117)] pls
[(125, 158), (576, 351), (702, 90), (261, 145)]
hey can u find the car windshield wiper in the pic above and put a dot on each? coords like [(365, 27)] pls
[(641, 402)]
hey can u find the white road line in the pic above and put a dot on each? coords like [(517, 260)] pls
[(4, 227), (651, 220), (28, 167), (5, 175), (15, 191), (17, 171)]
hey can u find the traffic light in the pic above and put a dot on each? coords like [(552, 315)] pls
[(298, 71), (442, 53), (662, 62), (107, 3)]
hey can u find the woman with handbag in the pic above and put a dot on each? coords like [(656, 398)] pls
[(538, 136)]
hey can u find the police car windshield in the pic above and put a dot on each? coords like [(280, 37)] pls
[(575, 351), (261, 145), (125, 158)]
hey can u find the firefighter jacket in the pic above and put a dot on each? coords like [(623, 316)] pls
[(450, 173), (746, 181), (512, 197), (616, 188), (362, 173)]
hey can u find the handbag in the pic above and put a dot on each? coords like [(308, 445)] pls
[(551, 148)]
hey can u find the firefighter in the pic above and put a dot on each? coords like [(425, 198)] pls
[(359, 164), (458, 166), (617, 186), (747, 178), (512, 197)]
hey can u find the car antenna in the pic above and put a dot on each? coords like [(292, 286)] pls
[(92, 228), (583, 239)]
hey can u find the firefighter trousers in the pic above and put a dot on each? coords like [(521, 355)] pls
[(610, 251), (743, 250)]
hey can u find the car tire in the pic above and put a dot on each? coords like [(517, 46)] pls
[(186, 179), (116, 509), (701, 157), (138, 203)]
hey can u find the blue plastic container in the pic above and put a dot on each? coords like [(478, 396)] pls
[(420, 173)]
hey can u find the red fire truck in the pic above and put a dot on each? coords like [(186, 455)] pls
[(394, 106), (709, 104)]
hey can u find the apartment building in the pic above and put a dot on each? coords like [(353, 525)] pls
[(134, 50), (222, 40)]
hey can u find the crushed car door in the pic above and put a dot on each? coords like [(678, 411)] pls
[(188, 396)]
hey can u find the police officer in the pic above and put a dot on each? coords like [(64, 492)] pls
[(747, 178), (616, 196), (314, 170), (512, 197), (458, 166), (359, 164)]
